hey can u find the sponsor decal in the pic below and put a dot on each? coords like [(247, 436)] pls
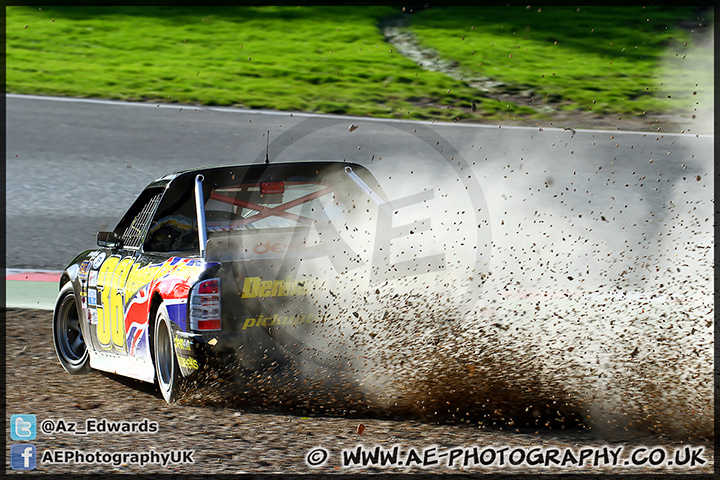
[(183, 344), (84, 269), (92, 316), (92, 297), (257, 287), (276, 320), (98, 260), (92, 279), (188, 362)]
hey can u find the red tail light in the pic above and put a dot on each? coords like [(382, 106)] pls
[(209, 286), (272, 187), (209, 324)]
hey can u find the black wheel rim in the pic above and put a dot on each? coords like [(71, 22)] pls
[(69, 337)]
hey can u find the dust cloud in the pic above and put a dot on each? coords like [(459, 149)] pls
[(579, 295), (594, 309)]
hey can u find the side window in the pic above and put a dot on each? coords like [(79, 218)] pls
[(134, 224), (174, 228)]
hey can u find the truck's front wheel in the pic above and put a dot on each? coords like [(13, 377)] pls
[(67, 334)]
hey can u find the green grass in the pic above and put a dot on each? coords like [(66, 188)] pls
[(601, 59), (335, 60)]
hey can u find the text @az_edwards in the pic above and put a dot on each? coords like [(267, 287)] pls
[(467, 457), (102, 426)]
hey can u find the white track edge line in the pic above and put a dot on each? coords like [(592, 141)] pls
[(317, 115)]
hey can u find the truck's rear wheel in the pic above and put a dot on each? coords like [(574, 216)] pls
[(167, 370)]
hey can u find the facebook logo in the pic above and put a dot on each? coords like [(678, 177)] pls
[(22, 457), (23, 427)]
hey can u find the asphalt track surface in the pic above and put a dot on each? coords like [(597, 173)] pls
[(73, 167), (549, 211)]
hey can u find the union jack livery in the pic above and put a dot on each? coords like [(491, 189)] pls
[(209, 265)]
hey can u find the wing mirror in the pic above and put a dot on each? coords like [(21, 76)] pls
[(108, 239)]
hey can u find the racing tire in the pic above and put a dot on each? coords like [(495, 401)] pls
[(167, 370), (69, 343)]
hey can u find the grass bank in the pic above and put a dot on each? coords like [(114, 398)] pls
[(336, 60), (607, 60)]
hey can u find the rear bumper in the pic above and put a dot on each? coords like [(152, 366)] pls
[(196, 352)]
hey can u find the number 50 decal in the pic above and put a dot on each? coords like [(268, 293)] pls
[(111, 317)]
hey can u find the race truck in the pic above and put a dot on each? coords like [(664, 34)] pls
[(212, 264)]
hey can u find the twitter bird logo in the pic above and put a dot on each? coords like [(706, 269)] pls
[(23, 427)]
